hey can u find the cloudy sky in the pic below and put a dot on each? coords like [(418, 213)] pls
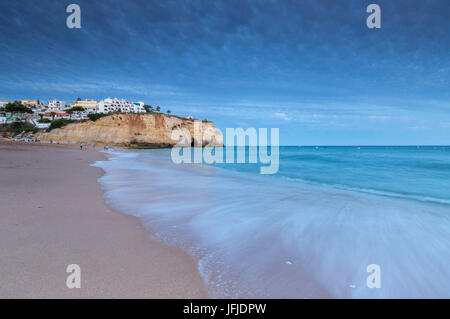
[(309, 67)]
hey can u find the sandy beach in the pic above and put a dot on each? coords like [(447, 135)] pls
[(53, 215)]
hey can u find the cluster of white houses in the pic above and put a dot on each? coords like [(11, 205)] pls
[(56, 109), (107, 105)]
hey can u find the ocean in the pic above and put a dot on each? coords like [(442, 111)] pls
[(310, 230)]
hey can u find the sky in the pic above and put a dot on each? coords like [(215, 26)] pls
[(311, 68)]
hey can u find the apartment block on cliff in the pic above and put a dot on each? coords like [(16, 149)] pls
[(109, 105), (139, 107)]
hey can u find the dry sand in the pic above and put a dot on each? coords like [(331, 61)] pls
[(52, 214)]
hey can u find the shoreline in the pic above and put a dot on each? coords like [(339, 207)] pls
[(279, 238), (54, 215)]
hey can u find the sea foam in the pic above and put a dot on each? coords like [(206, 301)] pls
[(264, 236)]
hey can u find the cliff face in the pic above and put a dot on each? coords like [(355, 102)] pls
[(138, 130)]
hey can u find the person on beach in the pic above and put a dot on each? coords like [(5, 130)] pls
[(81, 146), (93, 147)]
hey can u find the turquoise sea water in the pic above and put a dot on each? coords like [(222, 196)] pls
[(421, 172), (310, 230)]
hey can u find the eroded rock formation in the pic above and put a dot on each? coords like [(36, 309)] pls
[(138, 130)]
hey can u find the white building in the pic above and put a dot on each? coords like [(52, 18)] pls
[(56, 105), (139, 107), (109, 105)]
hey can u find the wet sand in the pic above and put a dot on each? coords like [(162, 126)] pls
[(52, 214)]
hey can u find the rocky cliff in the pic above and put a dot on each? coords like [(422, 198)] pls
[(138, 130)]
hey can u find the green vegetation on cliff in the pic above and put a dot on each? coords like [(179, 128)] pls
[(95, 116), (18, 127), (59, 123)]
